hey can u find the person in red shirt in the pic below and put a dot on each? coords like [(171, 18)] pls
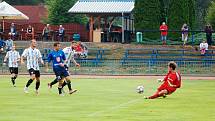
[(171, 82), (164, 29)]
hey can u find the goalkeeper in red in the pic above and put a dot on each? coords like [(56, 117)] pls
[(171, 82)]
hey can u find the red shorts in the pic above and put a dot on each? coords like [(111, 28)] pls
[(168, 88)]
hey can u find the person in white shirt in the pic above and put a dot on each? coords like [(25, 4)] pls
[(184, 31), (33, 56), (13, 58), (203, 47)]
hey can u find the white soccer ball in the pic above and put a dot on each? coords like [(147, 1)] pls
[(140, 89)]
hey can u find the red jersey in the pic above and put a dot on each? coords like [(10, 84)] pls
[(171, 79), (79, 48), (164, 29)]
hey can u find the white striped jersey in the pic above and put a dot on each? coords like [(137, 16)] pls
[(33, 57), (13, 57), (69, 53)]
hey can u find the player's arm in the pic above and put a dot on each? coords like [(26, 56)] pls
[(6, 57), (24, 55), (170, 82), (74, 61), (18, 58), (49, 59), (41, 59)]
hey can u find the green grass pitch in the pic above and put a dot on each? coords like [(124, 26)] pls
[(107, 100)]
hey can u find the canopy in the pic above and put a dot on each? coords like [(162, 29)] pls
[(9, 12), (103, 6)]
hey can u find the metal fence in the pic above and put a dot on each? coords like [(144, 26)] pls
[(144, 67)]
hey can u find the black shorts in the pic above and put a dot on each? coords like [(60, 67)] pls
[(13, 70), (36, 72)]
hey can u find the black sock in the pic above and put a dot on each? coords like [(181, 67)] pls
[(54, 81), (37, 85), (60, 90), (64, 84), (69, 85), (13, 80), (29, 82)]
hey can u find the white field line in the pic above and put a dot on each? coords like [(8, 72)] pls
[(114, 107)]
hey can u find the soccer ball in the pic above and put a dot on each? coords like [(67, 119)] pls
[(140, 89)]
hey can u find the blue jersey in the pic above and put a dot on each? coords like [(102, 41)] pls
[(57, 58)]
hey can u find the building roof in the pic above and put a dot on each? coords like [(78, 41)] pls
[(35, 13), (103, 6)]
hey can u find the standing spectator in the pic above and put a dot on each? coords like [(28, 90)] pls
[(164, 29), (13, 31), (203, 47), (2, 45), (46, 31), (13, 58), (184, 31), (61, 33), (9, 44), (29, 31), (208, 31)]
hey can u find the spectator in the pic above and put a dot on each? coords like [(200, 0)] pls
[(9, 44), (2, 45), (46, 31), (184, 31), (203, 47), (13, 31), (164, 29), (61, 33), (208, 31), (29, 31)]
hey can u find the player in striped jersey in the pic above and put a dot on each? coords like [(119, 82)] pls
[(69, 53), (33, 56), (13, 58)]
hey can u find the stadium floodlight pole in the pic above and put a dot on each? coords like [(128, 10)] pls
[(123, 37)]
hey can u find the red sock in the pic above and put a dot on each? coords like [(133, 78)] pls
[(156, 95)]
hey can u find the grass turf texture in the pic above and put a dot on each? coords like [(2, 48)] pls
[(106, 100)]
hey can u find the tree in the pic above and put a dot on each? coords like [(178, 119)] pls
[(180, 12), (150, 13), (58, 12), (211, 14), (147, 16)]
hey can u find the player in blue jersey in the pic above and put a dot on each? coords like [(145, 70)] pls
[(57, 57)]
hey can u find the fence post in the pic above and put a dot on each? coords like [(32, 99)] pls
[(192, 39)]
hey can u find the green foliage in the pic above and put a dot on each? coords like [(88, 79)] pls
[(150, 13), (58, 12), (180, 12), (147, 16), (211, 14)]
